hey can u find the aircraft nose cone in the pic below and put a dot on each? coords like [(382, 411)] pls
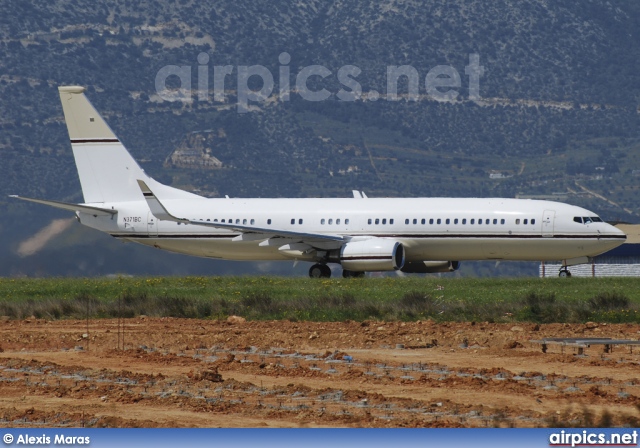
[(615, 233), (618, 232)]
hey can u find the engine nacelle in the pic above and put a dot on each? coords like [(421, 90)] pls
[(375, 254), (430, 267)]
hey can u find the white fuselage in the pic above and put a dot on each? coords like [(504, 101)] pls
[(428, 228)]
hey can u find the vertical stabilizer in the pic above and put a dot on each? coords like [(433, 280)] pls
[(107, 171)]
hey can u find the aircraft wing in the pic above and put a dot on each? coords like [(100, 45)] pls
[(89, 209), (161, 212)]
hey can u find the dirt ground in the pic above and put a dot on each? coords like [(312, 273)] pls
[(199, 373)]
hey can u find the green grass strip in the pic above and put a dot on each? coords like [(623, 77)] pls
[(266, 298)]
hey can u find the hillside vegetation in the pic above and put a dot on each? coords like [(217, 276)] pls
[(558, 111)]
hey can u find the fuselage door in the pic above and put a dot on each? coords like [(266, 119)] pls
[(152, 225), (548, 218)]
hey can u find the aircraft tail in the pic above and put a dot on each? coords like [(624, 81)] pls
[(107, 171)]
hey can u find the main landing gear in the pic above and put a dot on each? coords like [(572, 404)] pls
[(319, 271), (352, 274), (564, 272)]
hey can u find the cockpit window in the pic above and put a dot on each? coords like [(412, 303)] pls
[(587, 219)]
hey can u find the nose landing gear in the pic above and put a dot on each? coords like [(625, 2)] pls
[(564, 272)]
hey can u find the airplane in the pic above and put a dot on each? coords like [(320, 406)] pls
[(362, 234)]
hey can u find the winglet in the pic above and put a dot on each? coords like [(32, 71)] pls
[(359, 194), (157, 209)]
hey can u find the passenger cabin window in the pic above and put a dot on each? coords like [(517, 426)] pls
[(431, 221), (448, 221), (526, 221), (322, 221), (293, 221), (268, 221), (415, 221), (518, 221), (439, 221), (391, 221), (377, 220), (502, 221), (337, 221), (406, 221), (473, 221), (330, 221), (346, 221), (464, 220), (253, 221), (495, 221), (423, 221), (369, 221), (300, 221), (533, 221), (455, 221), (479, 221), (384, 220)]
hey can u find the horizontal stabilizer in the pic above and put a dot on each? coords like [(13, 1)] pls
[(96, 211)]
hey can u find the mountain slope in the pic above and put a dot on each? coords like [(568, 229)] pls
[(559, 98)]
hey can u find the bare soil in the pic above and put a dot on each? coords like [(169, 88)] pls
[(201, 373)]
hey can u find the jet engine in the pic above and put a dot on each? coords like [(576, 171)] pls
[(430, 267), (375, 254)]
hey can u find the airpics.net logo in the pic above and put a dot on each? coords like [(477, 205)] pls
[(590, 438), (441, 83)]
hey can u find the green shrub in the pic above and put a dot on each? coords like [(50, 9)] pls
[(543, 308), (605, 301)]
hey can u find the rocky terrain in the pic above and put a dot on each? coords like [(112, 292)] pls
[(200, 373)]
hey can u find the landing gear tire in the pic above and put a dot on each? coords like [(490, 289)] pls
[(352, 274), (319, 271), (564, 272)]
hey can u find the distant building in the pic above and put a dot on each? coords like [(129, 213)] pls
[(195, 151), (499, 175), (544, 197), (623, 261)]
